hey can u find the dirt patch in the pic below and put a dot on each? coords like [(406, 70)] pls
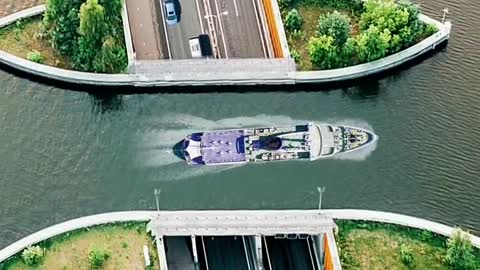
[(24, 37)]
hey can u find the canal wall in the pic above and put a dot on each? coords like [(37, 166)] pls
[(244, 76), (338, 214)]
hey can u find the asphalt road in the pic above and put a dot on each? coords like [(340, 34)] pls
[(187, 27), (240, 25), (235, 23)]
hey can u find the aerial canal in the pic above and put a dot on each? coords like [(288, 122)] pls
[(66, 154)]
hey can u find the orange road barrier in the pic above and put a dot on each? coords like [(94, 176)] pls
[(328, 255), (272, 26)]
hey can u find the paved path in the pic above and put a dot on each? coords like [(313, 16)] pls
[(8, 7), (145, 29)]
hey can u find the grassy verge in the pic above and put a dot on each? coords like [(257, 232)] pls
[(123, 241), (25, 37), (372, 246)]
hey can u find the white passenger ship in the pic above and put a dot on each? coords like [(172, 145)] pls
[(301, 142)]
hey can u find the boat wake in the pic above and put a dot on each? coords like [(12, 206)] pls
[(155, 147)]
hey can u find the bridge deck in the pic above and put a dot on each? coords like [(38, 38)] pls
[(183, 223)]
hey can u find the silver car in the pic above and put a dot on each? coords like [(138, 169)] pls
[(170, 12)]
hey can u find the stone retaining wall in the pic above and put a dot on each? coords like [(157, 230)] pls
[(248, 78)]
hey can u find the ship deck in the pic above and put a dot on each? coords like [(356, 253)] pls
[(223, 147)]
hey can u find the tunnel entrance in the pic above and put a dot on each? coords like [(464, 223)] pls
[(225, 252), (288, 254)]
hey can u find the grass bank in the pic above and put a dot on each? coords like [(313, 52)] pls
[(122, 241), (372, 246), (25, 37)]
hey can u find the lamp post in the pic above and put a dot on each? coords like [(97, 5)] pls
[(445, 12), (157, 192), (321, 190)]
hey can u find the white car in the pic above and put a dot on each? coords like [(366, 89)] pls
[(170, 13)]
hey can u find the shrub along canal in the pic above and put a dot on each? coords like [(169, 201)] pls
[(66, 154)]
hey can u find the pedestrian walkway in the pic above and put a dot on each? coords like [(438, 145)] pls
[(239, 222), (142, 16)]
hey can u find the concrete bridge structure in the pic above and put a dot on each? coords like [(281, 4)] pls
[(258, 240)]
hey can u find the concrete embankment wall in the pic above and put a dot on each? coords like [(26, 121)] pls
[(342, 214), (248, 77), (381, 65)]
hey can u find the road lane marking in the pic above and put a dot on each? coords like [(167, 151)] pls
[(260, 29), (199, 16), (236, 8), (219, 18), (165, 29)]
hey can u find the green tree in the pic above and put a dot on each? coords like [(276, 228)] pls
[(293, 21), (61, 22), (92, 33), (111, 58), (460, 254), (372, 44), (400, 18), (323, 52), (335, 25), (349, 52)]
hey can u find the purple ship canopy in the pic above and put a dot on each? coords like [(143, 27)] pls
[(223, 146)]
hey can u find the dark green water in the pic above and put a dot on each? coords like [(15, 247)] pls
[(65, 154)]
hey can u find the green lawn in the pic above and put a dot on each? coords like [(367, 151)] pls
[(375, 246), (24, 37), (124, 242)]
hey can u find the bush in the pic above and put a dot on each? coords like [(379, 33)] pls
[(335, 25), (372, 44), (97, 257), (36, 57), (295, 55), (285, 4), (406, 256), (323, 52), (460, 254), (293, 21), (430, 29), (33, 255)]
